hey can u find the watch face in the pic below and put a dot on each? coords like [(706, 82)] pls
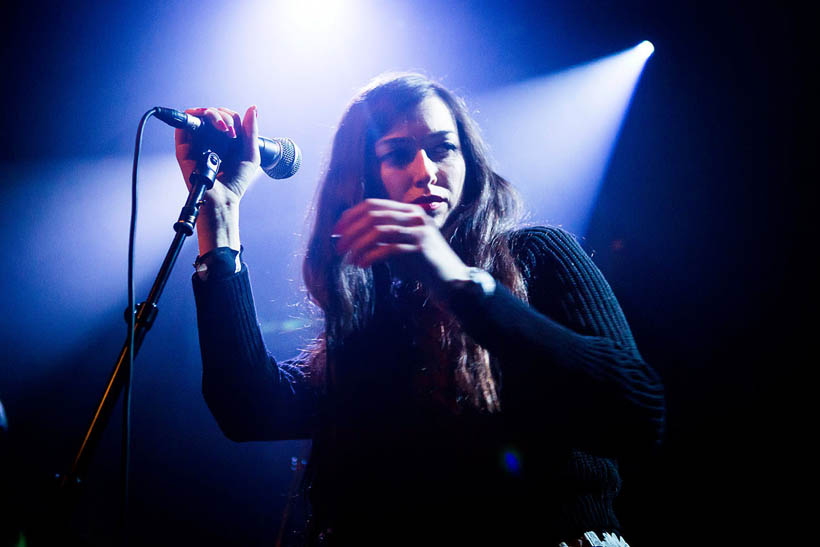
[(480, 285), (485, 283)]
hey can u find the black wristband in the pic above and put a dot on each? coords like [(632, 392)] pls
[(218, 263)]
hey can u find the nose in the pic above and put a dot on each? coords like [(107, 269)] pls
[(423, 169)]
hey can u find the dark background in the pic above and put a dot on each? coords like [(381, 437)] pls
[(699, 227)]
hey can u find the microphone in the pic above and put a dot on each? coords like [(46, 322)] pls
[(281, 158)]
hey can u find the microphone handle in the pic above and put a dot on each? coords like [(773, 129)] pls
[(281, 158)]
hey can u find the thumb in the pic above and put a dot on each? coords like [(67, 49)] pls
[(250, 136)]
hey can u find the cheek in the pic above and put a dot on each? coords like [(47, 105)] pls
[(394, 184), (457, 181)]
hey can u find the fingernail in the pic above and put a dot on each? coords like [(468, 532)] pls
[(255, 112), (232, 132), (222, 125)]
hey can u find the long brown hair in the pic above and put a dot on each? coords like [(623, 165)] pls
[(476, 229)]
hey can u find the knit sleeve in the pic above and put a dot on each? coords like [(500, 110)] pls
[(569, 356), (252, 397)]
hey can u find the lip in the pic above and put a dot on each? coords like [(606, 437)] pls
[(431, 205), (428, 199), (430, 202)]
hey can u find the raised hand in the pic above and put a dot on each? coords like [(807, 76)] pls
[(218, 224), (380, 229)]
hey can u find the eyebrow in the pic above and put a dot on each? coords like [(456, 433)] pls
[(397, 141)]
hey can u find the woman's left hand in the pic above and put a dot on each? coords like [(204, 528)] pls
[(379, 229)]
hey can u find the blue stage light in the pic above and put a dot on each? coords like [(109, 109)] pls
[(511, 461)]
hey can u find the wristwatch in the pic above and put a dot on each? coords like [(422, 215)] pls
[(478, 286)]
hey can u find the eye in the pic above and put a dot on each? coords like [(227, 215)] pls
[(399, 157), (441, 150)]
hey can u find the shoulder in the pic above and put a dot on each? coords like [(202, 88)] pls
[(538, 247), (564, 283), (543, 237)]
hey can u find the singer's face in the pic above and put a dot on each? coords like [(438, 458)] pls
[(420, 160)]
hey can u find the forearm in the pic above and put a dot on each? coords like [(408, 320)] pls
[(569, 350), (251, 396), (589, 388), (218, 226)]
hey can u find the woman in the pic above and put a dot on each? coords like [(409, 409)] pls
[(474, 384)]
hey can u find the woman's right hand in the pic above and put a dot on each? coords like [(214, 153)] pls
[(218, 224)]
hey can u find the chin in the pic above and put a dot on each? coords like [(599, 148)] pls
[(441, 224), (441, 218)]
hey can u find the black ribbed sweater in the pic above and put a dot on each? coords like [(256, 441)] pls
[(575, 396)]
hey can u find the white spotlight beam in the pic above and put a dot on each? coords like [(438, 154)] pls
[(553, 136), (78, 256)]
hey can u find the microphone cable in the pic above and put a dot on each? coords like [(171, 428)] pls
[(125, 461)]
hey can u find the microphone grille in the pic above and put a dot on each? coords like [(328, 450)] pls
[(289, 162)]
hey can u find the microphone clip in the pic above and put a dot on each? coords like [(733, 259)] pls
[(202, 179)]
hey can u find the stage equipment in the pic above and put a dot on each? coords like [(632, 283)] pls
[(281, 159)]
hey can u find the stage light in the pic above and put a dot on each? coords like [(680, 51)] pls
[(553, 136), (511, 461), (645, 48), (314, 16)]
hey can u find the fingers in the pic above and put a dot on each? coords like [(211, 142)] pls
[(374, 204), (372, 210), (384, 237), (227, 121), (221, 119), (383, 252), (233, 125), (378, 226), (372, 222), (250, 135), (377, 229), (232, 120)]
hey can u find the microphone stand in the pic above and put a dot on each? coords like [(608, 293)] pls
[(201, 179)]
